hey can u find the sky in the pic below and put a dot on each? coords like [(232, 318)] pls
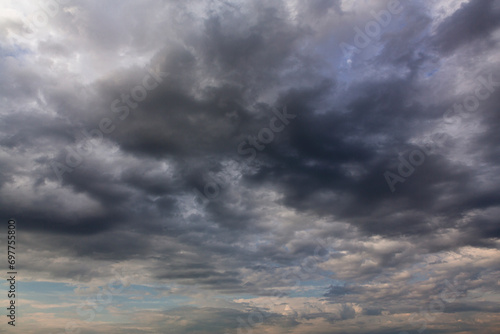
[(251, 166)]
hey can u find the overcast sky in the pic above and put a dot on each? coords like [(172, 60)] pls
[(223, 166)]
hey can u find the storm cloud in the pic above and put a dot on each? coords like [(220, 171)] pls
[(327, 166)]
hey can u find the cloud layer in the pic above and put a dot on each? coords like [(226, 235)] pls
[(281, 166)]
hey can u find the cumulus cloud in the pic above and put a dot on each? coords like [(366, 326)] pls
[(283, 166)]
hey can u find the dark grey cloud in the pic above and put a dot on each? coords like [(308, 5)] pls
[(474, 23), (218, 73)]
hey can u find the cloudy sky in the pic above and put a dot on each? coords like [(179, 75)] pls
[(252, 166)]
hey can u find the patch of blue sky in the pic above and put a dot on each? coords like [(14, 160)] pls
[(15, 51), (141, 296), (47, 292), (314, 288), (237, 296), (431, 73)]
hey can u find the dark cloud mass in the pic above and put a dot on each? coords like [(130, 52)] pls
[(325, 166)]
